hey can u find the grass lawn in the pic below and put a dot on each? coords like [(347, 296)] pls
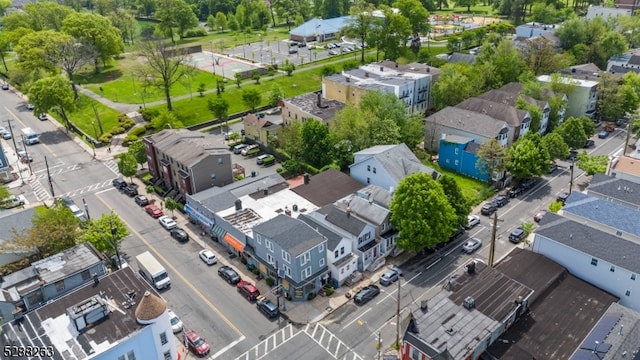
[(474, 191), (83, 116)]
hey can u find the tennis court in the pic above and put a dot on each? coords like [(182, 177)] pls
[(223, 65)]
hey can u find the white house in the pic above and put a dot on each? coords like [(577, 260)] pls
[(582, 99)]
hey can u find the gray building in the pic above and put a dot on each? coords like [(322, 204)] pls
[(297, 250), (47, 279), (18, 221), (519, 120)]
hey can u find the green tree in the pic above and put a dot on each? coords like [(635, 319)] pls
[(541, 57), (417, 15), (170, 204), (395, 31), (175, 14), (421, 213), (360, 25), (543, 13), (526, 159), (221, 23), (467, 3), (211, 22), (251, 98), (106, 233), (5, 46), (555, 145), (275, 95), (127, 165), (238, 77), (72, 55), (52, 94), (572, 32), (138, 151), (165, 64), (616, 98), (506, 60), (456, 198), (126, 23), (219, 107), (4, 4), (4, 195), (38, 49), (316, 144), (572, 133), (592, 164), (166, 119), (97, 31), (587, 125), (290, 139), (146, 7), (491, 158)]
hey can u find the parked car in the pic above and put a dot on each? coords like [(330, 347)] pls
[(43, 117), (537, 217), (229, 275), (12, 201), (366, 294), (248, 290), (333, 52), (515, 191), (141, 200), (265, 160), (195, 343), (302, 44), (6, 134), (472, 220), (603, 134), (248, 149), (208, 257), (562, 197), (179, 234), (5, 86), (24, 156), (130, 190), (589, 144), (238, 148), (30, 106), (501, 200), (471, 245), (517, 235), (488, 208), (114, 261), (390, 276), (573, 155), (176, 323), (293, 50), (119, 183), (267, 307), (153, 210), (167, 222)]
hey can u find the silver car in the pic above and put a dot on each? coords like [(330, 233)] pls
[(390, 276), (471, 245)]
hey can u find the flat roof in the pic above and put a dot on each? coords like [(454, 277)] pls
[(50, 325), (314, 104), (609, 187), (568, 79), (627, 165)]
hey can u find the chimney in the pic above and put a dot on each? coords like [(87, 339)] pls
[(381, 69), (348, 212), (265, 191), (424, 305), (238, 205), (287, 211), (319, 98), (306, 179), (96, 280), (428, 69), (396, 64)]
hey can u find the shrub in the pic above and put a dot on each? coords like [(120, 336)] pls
[(180, 207), (138, 130), (330, 166), (350, 65), (118, 130), (149, 114), (329, 291), (130, 138), (255, 271), (146, 178), (158, 190), (105, 137), (311, 296), (270, 282), (239, 177), (191, 33), (125, 121), (329, 70)]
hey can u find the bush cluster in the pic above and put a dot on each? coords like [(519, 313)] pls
[(196, 32)]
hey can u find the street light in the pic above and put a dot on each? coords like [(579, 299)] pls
[(114, 230), (213, 60), (95, 138), (573, 162), (378, 343), (26, 154), (86, 208)]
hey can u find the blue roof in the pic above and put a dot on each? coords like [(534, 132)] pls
[(604, 212), (317, 26)]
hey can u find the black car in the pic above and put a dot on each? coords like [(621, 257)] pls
[(119, 183), (366, 294), (457, 234), (267, 307), (517, 235), (141, 200), (515, 191), (229, 275), (573, 155), (488, 208), (501, 200), (131, 190), (563, 197), (179, 234), (589, 144)]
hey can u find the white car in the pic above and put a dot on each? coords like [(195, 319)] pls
[(208, 257), (176, 323), (5, 133), (30, 106), (167, 222), (471, 245), (390, 276), (472, 220), (12, 201)]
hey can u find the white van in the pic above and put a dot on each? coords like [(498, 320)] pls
[(30, 136)]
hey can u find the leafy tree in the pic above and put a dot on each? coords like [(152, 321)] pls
[(587, 125), (526, 159), (528, 228), (316, 144), (395, 31), (572, 132), (39, 49), (252, 98), (146, 7), (456, 83), (219, 107), (166, 119), (592, 164), (238, 77), (96, 31), (127, 165), (360, 25), (544, 13), (4, 194), (52, 94), (290, 139), (71, 56), (175, 14), (417, 15), (467, 3), (170, 204), (221, 22), (506, 60), (456, 198), (164, 63), (211, 22), (541, 57), (421, 212), (4, 4), (491, 157), (572, 32), (555, 145), (138, 151), (275, 95), (234, 25), (125, 22), (5, 46), (106, 233), (286, 10), (616, 98)]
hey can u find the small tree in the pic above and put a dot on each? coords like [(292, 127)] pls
[(138, 151), (238, 77), (170, 204), (219, 107), (105, 233), (251, 98), (127, 165), (255, 76)]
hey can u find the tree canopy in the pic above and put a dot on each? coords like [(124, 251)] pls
[(105, 233)]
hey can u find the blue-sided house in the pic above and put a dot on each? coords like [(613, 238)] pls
[(458, 153)]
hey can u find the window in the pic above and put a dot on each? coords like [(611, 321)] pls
[(415, 354), (268, 244), (163, 338), (121, 357), (619, 233), (167, 355), (336, 254), (306, 257), (131, 355), (342, 250), (384, 226), (60, 285), (594, 261), (86, 275), (457, 162), (321, 248), (628, 293), (258, 239), (287, 270), (321, 262), (456, 150), (220, 161), (270, 259), (286, 257), (368, 181), (612, 268), (306, 273), (633, 276), (368, 167), (374, 170)]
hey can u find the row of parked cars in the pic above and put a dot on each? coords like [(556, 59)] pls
[(253, 150)]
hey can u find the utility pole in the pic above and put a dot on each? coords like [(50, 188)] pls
[(86, 208), (277, 285), (379, 345), (26, 153), (626, 142), (114, 230), (46, 164), (492, 247), (573, 162), (398, 315)]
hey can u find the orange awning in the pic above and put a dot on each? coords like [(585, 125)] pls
[(235, 243)]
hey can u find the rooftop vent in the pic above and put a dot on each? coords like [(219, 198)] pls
[(306, 179), (424, 305), (469, 303), (471, 268), (238, 205), (87, 312)]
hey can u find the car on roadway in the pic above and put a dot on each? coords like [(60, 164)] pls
[(471, 245), (167, 222), (43, 117), (195, 343), (603, 134), (141, 200), (517, 235), (5, 86), (176, 323), (366, 294), (30, 106), (589, 144), (488, 208), (501, 200), (179, 234), (267, 307), (24, 156), (562, 197), (248, 290), (333, 52), (229, 275), (119, 183), (293, 50), (537, 217), (390, 276), (472, 220), (6, 134), (12, 201), (130, 190), (208, 257), (153, 210)]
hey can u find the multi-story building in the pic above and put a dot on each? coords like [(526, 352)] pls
[(309, 106), (186, 162), (518, 120), (261, 127), (509, 95), (116, 317), (582, 100), (459, 154)]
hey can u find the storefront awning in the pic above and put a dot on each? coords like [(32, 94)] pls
[(197, 215), (219, 231), (235, 243)]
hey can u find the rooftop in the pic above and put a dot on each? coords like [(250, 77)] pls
[(343, 219), (609, 187), (598, 210), (293, 235), (599, 244), (457, 139), (496, 110), (457, 57), (509, 95), (413, 67), (570, 80), (376, 194), (50, 325), (316, 26), (333, 237), (473, 122), (367, 210), (314, 104), (327, 187), (556, 296), (18, 220), (398, 160), (185, 146)]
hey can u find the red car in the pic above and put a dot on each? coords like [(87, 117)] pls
[(248, 290), (154, 211), (195, 343)]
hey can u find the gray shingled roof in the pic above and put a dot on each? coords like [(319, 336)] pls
[(333, 239), (186, 146), (496, 110), (591, 241), (510, 98), (623, 191), (374, 213), (337, 217), (292, 235), (327, 187), (396, 159), (20, 220), (379, 195), (605, 212), (473, 122)]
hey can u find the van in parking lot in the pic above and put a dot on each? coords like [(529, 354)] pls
[(265, 159), (30, 136), (238, 148)]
